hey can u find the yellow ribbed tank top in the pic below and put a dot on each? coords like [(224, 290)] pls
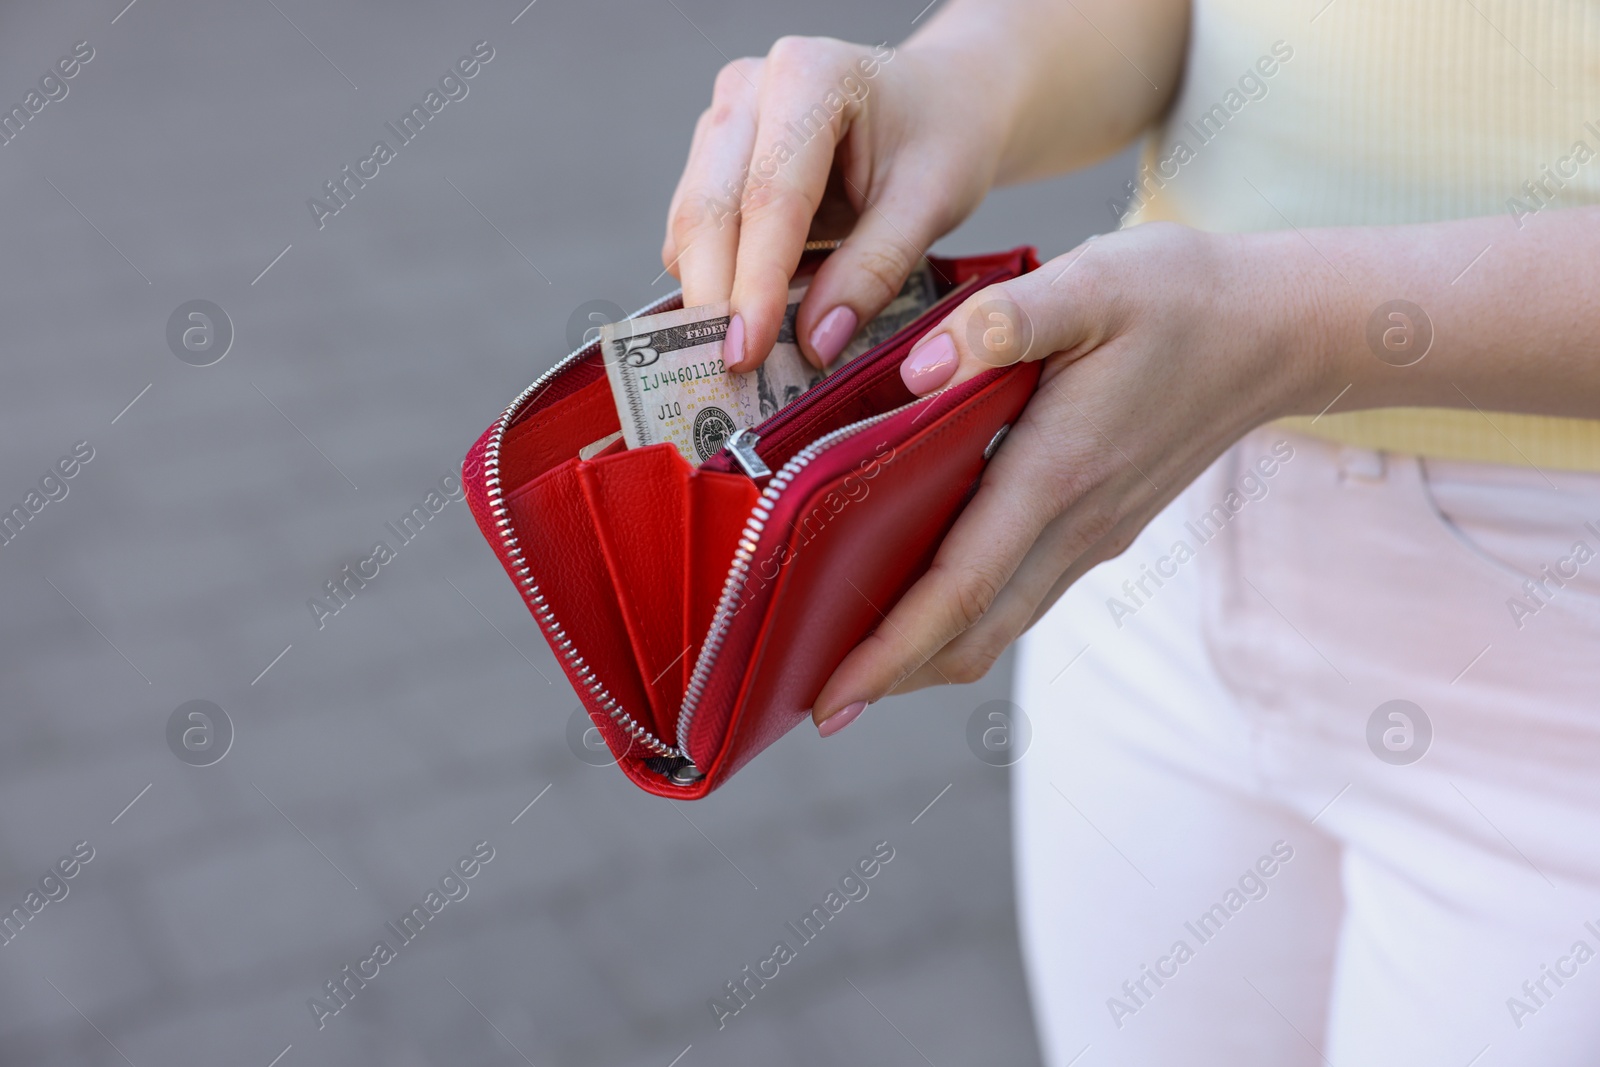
[(1380, 112)]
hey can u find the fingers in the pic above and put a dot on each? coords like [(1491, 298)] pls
[(1053, 503), (972, 567), (971, 623), (1061, 307), (1107, 503), (1077, 479), (970, 655), (759, 169), (703, 220), (1055, 562), (866, 272), (803, 116)]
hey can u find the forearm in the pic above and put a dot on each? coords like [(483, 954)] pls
[(1069, 83), (1514, 313)]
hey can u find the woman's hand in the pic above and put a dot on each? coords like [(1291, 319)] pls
[(890, 148), (826, 139), (1161, 346)]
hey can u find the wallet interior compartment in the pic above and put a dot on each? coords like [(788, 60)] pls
[(577, 410), (652, 548), (556, 533), (639, 505)]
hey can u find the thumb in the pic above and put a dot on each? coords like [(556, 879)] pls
[(1058, 308)]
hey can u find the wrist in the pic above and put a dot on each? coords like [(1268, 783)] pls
[(979, 101), (1295, 345)]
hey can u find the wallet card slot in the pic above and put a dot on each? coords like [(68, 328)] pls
[(639, 505), (553, 434), (556, 530), (631, 581)]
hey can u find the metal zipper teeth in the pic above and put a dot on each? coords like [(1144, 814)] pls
[(728, 605), (527, 585)]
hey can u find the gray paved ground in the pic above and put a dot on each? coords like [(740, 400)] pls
[(375, 752)]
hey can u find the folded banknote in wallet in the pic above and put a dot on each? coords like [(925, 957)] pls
[(700, 548), (669, 382)]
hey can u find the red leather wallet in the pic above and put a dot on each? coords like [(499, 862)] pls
[(698, 611)]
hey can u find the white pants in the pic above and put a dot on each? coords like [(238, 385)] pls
[(1220, 862)]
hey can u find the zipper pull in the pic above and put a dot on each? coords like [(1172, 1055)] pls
[(685, 774), (741, 445)]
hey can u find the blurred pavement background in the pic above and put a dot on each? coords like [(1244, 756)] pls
[(369, 756)]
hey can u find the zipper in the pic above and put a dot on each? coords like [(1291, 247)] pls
[(744, 555), (527, 585)]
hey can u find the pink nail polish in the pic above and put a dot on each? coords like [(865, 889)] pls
[(833, 333), (841, 718), (733, 343), (930, 364)]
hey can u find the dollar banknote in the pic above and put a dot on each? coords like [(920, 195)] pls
[(671, 384)]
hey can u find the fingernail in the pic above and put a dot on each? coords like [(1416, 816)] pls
[(841, 718), (930, 364), (733, 343), (833, 333)]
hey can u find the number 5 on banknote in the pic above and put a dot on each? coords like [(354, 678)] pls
[(636, 351)]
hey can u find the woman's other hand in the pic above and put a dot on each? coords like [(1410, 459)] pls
[(1162, 346)]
